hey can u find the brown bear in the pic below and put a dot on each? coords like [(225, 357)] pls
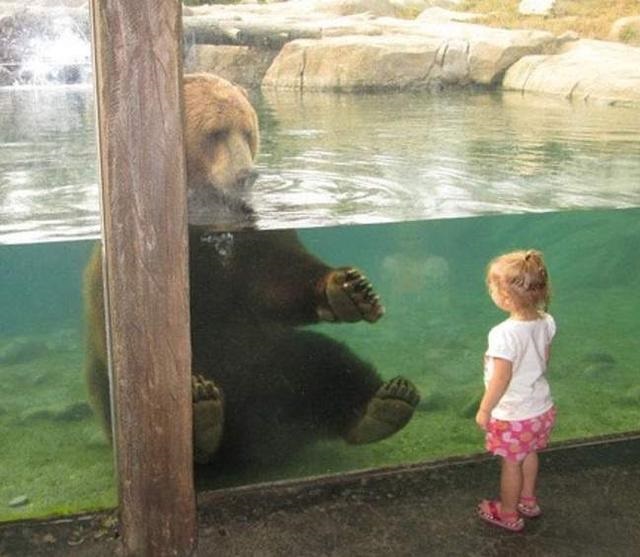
[(262, 386)]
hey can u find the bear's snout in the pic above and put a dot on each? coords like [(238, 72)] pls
[(247, 178)]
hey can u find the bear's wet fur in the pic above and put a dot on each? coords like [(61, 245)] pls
[(263, 386)]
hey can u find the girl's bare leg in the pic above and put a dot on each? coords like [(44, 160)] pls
[(529, 475), (511, 482)]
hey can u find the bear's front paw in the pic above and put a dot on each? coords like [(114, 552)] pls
[(350, 297), (388, 411), (208, 418)]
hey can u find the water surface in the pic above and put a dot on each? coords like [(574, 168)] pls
[(344, 159)]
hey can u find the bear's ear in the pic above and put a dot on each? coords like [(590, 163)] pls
[(242, 90), (193, 77)]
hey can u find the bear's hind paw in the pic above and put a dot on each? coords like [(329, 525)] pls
[(387, 412), (208, 418)]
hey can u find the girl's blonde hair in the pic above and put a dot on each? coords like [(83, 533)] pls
[(523, 276)]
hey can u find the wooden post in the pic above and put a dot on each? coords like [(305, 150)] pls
[(138, 77)]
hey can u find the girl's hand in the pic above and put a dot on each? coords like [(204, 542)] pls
[(482, 419)]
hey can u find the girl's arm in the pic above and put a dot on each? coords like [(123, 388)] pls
[(495, 389)]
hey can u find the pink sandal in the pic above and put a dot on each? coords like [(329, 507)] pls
[(528, 506), (489, 511)]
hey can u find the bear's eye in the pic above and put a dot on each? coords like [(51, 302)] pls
[(217, 136)]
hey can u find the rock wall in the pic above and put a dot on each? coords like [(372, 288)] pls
[(354, 45)]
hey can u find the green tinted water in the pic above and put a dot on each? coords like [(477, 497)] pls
[(430, 276)]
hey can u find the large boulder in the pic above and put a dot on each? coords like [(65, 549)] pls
[(626, 30), (406, 55), (490, 51), (350, 7), (586, 70), (357, 63), (319, 8), (243, 65)]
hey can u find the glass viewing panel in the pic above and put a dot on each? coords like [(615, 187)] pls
[(55, 459), (531, 172)]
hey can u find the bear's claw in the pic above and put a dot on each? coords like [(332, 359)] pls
[(351, 297), (388, 411), (208, 418), (400, 388)]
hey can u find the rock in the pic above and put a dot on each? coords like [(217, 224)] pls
[(391, 8), (350, 7), (536, 7), (626, 30), (251, 30), (357, 64), (75, 412), (408, 56), (21, 350), (597, 371), (599, 358), (568, 37), (243, 65), (49, 538), (586, 70), (598, 365), (409, 9), (58, 3), (490, 51), (440, 15), (19, 501), (466, 53)]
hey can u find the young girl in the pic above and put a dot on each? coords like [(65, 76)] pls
[(517, 411)]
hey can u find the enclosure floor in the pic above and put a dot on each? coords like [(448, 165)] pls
[(590, 496)]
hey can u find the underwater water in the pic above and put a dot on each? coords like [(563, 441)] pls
[(430, 275)]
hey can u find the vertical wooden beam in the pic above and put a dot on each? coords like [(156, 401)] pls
[(137, 62)]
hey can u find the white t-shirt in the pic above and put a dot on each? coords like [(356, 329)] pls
[(525, 345)]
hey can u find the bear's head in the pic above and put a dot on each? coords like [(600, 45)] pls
[(221, 134), (221, 141)]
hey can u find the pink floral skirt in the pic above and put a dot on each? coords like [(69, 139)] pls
[(514, 440)]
